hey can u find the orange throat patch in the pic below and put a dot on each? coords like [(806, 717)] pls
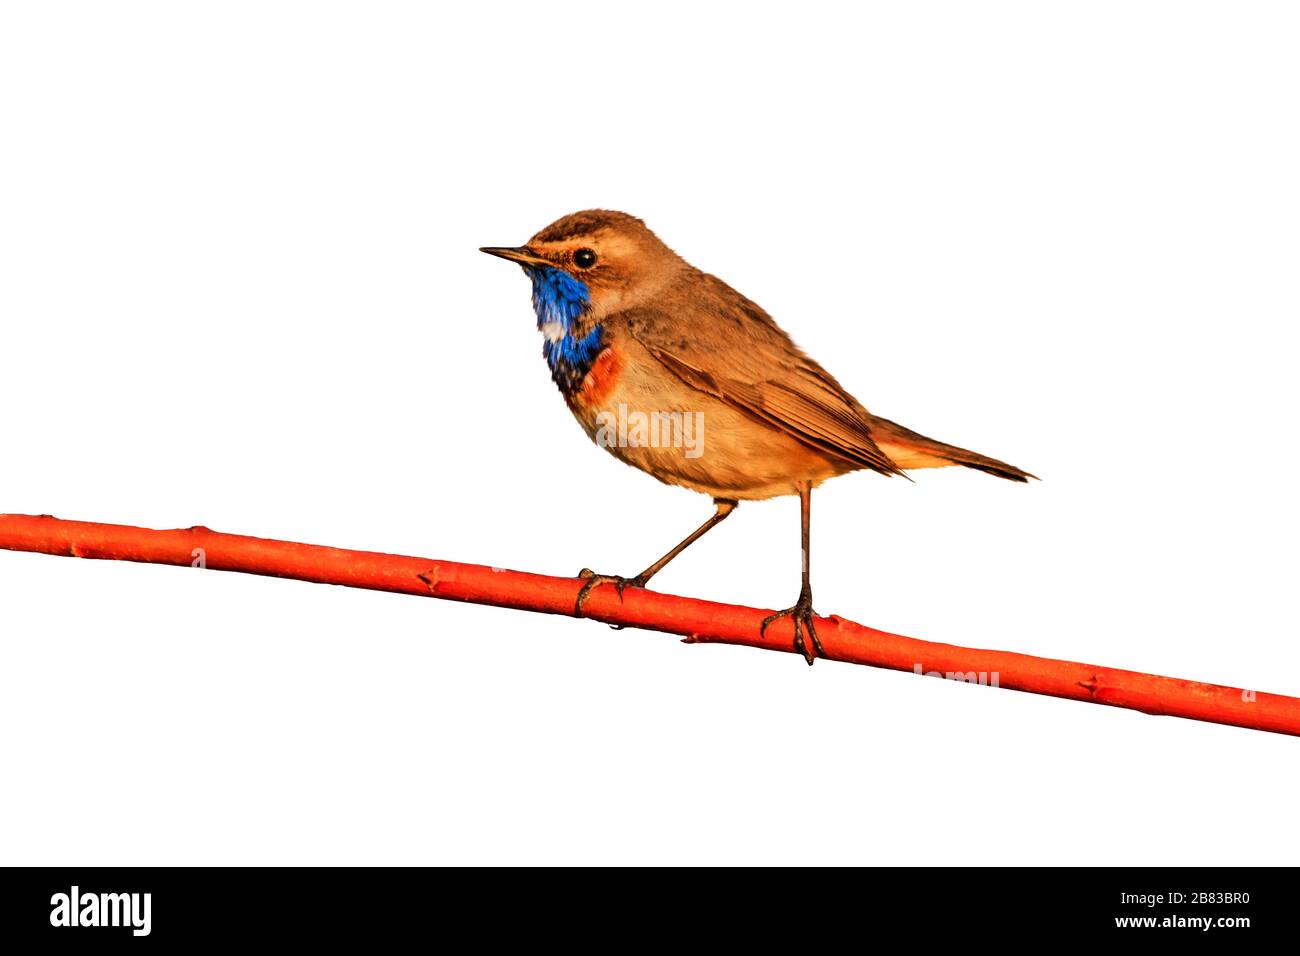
[(602, 378)]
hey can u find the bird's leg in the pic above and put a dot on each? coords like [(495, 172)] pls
[(802, 613), (724, 505)]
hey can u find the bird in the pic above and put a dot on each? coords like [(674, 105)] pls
[(636, 337)]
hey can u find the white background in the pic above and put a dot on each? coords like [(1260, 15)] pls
[(240, 287)]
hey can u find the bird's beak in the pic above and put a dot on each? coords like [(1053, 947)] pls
[(520, 254)]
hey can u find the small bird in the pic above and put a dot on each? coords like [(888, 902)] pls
[(675, 372)]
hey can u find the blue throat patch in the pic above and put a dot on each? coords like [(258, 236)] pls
[(559, 300)]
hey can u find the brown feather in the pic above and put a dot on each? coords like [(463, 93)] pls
[(916, 451), (733, 351)]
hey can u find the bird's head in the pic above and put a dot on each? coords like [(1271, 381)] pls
[(589, 264)]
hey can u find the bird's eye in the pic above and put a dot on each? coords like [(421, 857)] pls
[(584, 258)]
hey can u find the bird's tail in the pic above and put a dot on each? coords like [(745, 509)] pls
[(909, 450)]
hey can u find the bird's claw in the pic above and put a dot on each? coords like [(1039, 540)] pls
[(802, 615), (592, 580)]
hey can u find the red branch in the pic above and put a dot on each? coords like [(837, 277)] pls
[(697, 621)]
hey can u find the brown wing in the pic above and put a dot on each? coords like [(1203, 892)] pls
[(717, 341)]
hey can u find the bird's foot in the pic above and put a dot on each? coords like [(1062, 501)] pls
[(592, 580), (802, 615)]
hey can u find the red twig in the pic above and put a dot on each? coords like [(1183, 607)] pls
[(697, 621)]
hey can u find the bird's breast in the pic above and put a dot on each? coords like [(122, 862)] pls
[(602, 379)]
